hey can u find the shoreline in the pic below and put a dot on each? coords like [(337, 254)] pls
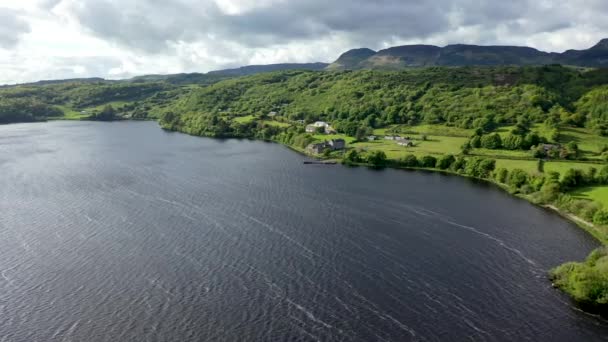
[(583, 224), (588, 227)]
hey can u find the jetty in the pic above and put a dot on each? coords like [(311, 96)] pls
[(320, 162)]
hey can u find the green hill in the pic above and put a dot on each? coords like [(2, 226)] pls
[(409, 56)]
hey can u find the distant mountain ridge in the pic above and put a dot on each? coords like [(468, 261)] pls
[(393, 58), (408, 56), (217, 75), (49, 82)]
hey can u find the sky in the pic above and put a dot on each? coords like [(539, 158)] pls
[(114, 39)]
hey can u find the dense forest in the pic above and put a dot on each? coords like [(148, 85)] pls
[(468, 97)]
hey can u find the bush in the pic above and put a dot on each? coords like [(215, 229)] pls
[(459, 165), (512, 142), (601, 217), (501, 175), (377, 158), (602, 176), (491, 141), (475, 142), (428, 161), (586, 282), (573, 178), (549, 191), (409, 161), (517, 178), (540, 166), (480, 167), (589, 210), (527, 189), (352, 157), (445, 162)]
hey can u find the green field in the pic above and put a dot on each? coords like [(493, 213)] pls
[(531, 165), (436, 145), (448, 140), (597, 193), (587, 142), (244, 119), (429, 130), (70, 114), (275, 123), (324, 137)]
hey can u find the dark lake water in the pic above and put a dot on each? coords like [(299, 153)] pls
[(124, 232)]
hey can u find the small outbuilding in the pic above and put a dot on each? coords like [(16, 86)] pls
[(406, 143), (316, 148)]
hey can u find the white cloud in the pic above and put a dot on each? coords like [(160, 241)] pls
[(41, 39)]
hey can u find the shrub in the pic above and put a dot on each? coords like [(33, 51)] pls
[(589, 210), (352, 157), (586, 282), (512, 142), (573, 178), (409, 161), (475, 142), (601, 217), (428, 161), (527, 189), (549, 191), (501, 175), (540, 166), (377, 158), (491, 141), (445, 162), (517, 178), (459, 165)]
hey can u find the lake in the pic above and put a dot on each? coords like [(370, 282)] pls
[(124, 232)]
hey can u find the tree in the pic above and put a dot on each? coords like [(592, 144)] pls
[(491, 141), (570, 151), (530, 140), (428, 161), (540, 166), (501, 175), (553, 176), (475, 141), (486, 167), (362, 133), (446, 161), (459, 165), (512, 142), (107, 114), (517, 178), (480, 167), (549, 191), (377, 158), (169, 120), (465, 149), (410, 161), (590, 175), (573, 178), (601, 217), (522, 127), (487, 123), (602, 176), (352, 157)]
